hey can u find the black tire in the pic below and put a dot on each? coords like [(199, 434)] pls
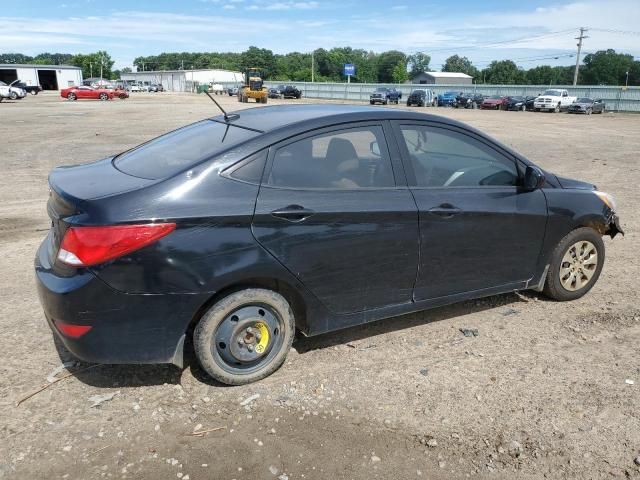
[(408, 104), (104, 97), (72, 96), (557, 109), (214, 324), (13, 95), (370, 102), (553, 287)]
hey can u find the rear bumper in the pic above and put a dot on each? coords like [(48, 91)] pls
[(125, 328)]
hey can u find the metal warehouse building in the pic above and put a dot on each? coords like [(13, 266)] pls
[(50, 77), (183, 80), (445, 78)]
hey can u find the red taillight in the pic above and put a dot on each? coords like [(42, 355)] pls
[(86, 246), (72, 331)]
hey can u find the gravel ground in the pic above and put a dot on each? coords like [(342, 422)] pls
[(546, 389)]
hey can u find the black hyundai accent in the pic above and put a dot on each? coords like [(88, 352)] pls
[(240, 229)]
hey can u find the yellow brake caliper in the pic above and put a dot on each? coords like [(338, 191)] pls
[(264, 337)]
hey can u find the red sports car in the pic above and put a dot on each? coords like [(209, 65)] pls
[(83, 91), (493, 102)]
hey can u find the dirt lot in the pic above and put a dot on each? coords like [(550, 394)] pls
[(541, 392)]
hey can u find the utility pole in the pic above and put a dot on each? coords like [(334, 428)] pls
[(580, 38), (101, 63), (91, 69), (313, 66)]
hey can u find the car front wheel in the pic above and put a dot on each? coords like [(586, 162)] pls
[(245, 337), (575, 265), (72, 96)]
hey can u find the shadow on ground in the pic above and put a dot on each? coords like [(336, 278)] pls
[(116, 376)]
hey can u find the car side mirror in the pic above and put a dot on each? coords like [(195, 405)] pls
[(375, 148), (533, 178)]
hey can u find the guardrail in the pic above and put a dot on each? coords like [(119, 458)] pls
[(620, 99)]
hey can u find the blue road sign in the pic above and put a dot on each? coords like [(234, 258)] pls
[(349, 69)]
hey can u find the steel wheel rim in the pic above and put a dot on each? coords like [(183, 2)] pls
[(578, 265), (239, 345)]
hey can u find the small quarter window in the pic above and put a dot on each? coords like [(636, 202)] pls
[(251, 169), (345, 159)]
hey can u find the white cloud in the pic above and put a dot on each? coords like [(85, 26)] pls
[(229, 7)]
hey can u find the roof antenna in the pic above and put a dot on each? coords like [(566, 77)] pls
[(227, 117)]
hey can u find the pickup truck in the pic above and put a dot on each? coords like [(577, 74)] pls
[(32, 89), (447, 99), (553, 100)]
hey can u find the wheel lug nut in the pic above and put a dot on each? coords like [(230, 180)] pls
[(250, 348)]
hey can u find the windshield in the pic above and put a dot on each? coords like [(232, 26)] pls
[(171, 153), (553, 93), (381, 89), (584, 100), (516, 99), (418, 92)]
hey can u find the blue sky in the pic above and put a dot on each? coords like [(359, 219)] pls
[(529, 32)]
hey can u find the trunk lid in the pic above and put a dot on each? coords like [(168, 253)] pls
[(73, 187)]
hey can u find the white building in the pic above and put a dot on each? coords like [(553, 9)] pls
[(184, 80), (442, 78), (50, 77)]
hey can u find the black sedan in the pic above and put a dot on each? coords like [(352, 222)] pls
[(469, 100), (417, 97), (239, 229), (587, 106)]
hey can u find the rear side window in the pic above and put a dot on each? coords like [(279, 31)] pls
[(169, 154), (344, 159)]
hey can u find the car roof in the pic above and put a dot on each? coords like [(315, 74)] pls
[(272, 118)]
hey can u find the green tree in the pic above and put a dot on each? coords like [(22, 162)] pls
[(503, 72), (605, 67), (15, 58), (400, 74), (53, 58), (418, 63), (261, 58), (387, 63), (455, 63), (93, 63)]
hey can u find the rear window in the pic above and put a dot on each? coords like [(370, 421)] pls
[(169, 154)]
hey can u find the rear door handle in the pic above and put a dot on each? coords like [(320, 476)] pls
[(293, 213), (445, 210)]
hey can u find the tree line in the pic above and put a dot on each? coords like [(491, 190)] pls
[(604, 67)]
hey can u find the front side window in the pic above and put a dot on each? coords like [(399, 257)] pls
[(345, 159), (444, 158)]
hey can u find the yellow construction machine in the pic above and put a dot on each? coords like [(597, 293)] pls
[(253, 87)]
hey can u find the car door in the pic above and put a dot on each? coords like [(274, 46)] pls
[(335, 210), (478, 228)]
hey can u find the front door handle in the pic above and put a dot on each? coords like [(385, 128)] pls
[(293, 213), (446, 210)]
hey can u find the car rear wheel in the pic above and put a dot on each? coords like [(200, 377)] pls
[(245, 336), (557, 109), (575, 266), (104, 96), (72, 96)]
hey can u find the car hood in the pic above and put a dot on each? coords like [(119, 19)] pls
[(576, 104), (571, 183), (492, 100)]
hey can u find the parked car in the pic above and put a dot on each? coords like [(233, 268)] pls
[(447, 99), (273, 93), (290, 91), (11, 92), (419, 98), (32, 89), (216, 89), (232, 91), (553, 100), (135, 87), (529, 101), (494, 102), (121, 93), (394, 95), (83, 92), (379, 95), (515, 103), (469, 100), (242, 228), (154, 87), (587, 105)]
